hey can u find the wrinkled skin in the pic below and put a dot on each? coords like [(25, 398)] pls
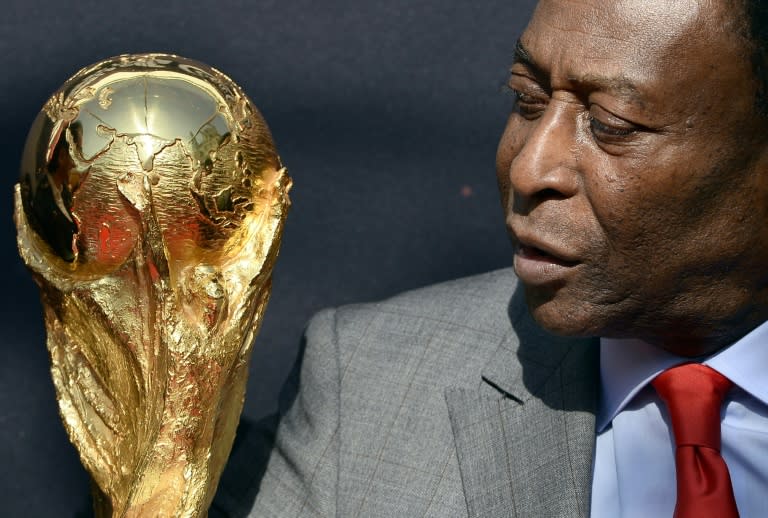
[(634, 173)]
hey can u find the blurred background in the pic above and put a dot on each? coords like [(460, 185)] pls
[(386, 114)]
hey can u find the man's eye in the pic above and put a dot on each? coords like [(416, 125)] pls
[(610, 132), (529, 106)]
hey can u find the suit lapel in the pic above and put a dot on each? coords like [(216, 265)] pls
[(482, 452), (525, 437)]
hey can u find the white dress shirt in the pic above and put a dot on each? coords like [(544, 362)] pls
[(634, 471)]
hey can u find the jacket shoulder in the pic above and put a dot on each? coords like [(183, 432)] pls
[(444, 332), (366, 430), (396, 358), (479, 304)]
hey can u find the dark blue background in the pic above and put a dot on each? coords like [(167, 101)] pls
[(386, 114)]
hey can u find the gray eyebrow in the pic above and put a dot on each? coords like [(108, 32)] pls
[(620, 85), (522, 55)]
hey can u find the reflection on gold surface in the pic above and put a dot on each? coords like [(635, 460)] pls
[(149, 210)]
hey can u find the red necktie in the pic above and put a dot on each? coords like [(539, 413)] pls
[(694, 394)]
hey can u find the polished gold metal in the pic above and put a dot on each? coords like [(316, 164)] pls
[(150, 210)]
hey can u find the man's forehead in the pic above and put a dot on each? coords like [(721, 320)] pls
[(632, 10), (599, 26), (618, 42)]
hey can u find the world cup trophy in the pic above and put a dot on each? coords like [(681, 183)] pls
[(150, 210)]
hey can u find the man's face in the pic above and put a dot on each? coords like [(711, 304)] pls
[(634, 173)]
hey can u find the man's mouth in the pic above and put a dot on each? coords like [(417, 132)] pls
[(533, 253), (536, 266)]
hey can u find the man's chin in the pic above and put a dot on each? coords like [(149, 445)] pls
[(561, 316)]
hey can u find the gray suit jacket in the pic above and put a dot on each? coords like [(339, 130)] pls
[(448, 401)]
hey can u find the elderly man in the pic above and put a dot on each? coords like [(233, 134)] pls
[(634, 173)]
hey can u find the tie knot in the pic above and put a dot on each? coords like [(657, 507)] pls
[(693, 394)]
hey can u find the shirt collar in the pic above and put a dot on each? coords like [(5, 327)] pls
[(628, 365)]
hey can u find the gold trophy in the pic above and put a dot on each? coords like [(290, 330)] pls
[(149, 210)]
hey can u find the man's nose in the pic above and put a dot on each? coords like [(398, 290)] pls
[(546, 167)]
